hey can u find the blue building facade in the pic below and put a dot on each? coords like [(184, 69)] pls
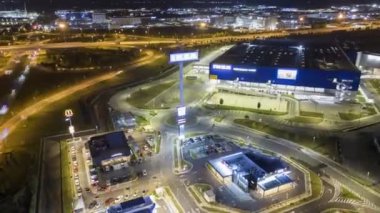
[(285, 76)]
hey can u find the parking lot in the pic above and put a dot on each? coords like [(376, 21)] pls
[(99, 188), (204, 146)]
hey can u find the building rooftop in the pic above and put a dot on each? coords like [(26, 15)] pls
[(256, 164), (269, 164), (140, 205), (288, 54), (107, 146), (274, 181)]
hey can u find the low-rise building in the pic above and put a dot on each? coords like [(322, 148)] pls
[(209, 196), (110, 151), (140, 204), (252, 172)]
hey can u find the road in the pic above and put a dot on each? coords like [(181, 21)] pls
[(12, 123), (185, 41)]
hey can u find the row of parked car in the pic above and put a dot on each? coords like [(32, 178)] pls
[(74, 161), (198, 139)]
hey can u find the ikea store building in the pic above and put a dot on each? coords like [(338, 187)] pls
[(305, 69)]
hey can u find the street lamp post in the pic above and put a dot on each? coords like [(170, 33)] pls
[(69, 114)]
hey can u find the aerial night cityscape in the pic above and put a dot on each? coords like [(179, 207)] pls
[(190, 106)]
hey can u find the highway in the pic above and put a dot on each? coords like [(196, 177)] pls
[(11, 124), (185, 41)]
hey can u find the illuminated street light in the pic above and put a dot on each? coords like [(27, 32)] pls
[(203, 25), (62, 25), (340, 16)]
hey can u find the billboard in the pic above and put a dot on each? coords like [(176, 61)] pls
[(184, 57), (181, 111), (287, 74)]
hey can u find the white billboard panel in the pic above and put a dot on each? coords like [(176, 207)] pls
[(183, 57), (287, 74), (181, 111)]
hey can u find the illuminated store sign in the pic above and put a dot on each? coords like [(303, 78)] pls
[(244, 69), (183, 57), (221, 67), (287, 74)]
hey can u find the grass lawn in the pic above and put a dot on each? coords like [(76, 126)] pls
[(311, 114), (303, 119), (3, 61), (350, 115), (141, 97), (375, 84), (316, 186), (174, 199), (141, 121), (212, 209), (345, 193), (157, 146), (67, 184), (175, 158), (219, 118), (201, 187), (195, 195), (259, 111), (324, 145)]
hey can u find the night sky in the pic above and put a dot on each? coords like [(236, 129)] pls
[(78, 4)]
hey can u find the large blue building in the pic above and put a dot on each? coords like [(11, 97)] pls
[(288, 66)]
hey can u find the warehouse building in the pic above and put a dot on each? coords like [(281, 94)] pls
[(305, 69)]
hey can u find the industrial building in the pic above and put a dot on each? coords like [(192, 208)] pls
[(252, 171), (109, 151), (305, 69), (140, 204)]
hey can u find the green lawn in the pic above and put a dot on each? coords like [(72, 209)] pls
[(316, 186), (259, 111), (141, 97), (3, 61), (157, 146), (141, 121), (311, 114), (67, 184), (375, 84), (195, 195), (219, 118), (201, 187), (212, 209), (173, 198), (323, 144), (345, 193), (302, 119), (350, 115)]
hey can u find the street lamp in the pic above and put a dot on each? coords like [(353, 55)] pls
[(69, 114)]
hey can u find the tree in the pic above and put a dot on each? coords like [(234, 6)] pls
[(221, 101), (258, 105)]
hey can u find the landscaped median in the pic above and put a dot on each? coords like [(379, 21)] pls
[(67, 181), (321, 144), (196, 192), (141, 97), (173, 199), (235, 108)]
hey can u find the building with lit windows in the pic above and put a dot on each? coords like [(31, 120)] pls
[(305, 69)]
